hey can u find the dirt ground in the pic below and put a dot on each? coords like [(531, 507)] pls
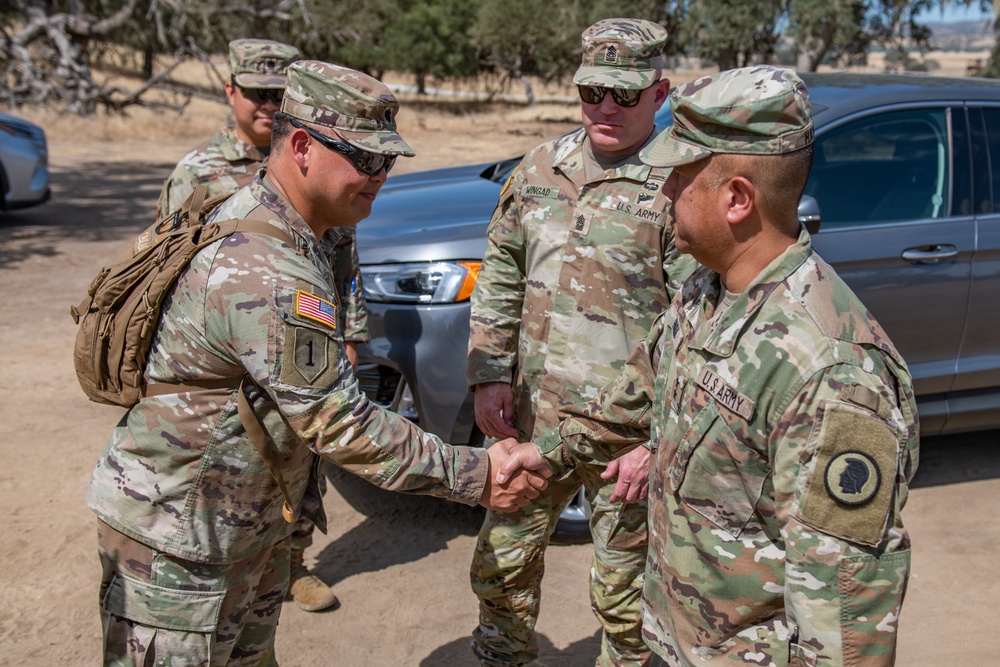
[(398, 563)]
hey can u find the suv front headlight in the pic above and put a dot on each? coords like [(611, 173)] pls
[(437, 282)]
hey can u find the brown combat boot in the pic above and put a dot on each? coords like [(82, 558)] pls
[(309, 593)]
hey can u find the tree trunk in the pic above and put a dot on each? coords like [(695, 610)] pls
[(528, 92), (148, 57)]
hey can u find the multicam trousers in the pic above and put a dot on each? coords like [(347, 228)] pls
[(159, 611), (509, 563)]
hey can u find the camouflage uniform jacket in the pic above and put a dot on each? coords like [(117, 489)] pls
[(574, 274), (179, 472), (765, 546), (224, 164)]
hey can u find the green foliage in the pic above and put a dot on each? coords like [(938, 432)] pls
[(511, 39), (432, 38), (828, 31), (347, 32), (733, 33), (524, 37)]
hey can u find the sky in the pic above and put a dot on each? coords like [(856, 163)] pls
[(955, 12)]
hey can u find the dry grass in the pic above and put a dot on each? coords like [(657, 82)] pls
[(443, 130)]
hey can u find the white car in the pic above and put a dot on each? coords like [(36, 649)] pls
[(24, 164)]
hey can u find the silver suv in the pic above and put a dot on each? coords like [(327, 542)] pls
[(903, 199)]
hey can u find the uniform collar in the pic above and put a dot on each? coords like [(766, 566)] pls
[(570, 159), (720, 338), (264, 191), (234, 149)]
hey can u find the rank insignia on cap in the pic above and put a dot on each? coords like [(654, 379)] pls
[(314, 308), (852, 478), (611, 55)]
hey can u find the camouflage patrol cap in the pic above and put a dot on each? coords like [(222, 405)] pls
[(760, 110), (260, 63), (361, 109), (621, 53)]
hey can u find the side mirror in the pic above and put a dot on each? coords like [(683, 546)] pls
[(809, 214)]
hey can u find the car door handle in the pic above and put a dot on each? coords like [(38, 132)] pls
[(930, 254)]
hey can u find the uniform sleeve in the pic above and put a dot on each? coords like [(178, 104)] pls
[(495, 322), (617, 419), (282, 325), (841, 458), (177, 188), (352, 294)]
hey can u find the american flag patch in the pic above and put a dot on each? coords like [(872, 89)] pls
[(315, 308)]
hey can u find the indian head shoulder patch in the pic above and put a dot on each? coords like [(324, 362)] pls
[(848, 486), (316, 309), (852, 478)]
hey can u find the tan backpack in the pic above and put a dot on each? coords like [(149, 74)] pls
[(120, 313)]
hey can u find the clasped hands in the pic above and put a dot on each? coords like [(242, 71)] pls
[(517, 474)]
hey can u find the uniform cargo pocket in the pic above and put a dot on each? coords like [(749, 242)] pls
[(159, 607)]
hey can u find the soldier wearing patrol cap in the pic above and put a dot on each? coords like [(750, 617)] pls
[(191, 533), (579, 262), (783, 418), (228, 161)]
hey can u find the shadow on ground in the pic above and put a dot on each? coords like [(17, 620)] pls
[(95, 201), (398, 528), (953, 459), (578, 653)]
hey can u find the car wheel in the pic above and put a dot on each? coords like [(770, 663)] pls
[(573, 526)]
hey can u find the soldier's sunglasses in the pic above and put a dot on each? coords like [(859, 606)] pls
[(621, 96), (263, 95), (364, 161)]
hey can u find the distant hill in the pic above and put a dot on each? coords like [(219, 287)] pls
[(961, 28), (962, 35)]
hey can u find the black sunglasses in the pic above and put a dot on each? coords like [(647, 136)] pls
[(621, 96), (364, 161), (262, 95)]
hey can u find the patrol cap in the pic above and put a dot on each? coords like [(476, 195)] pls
[(260, 63), (361, 109), (621, 53), (762, 110)]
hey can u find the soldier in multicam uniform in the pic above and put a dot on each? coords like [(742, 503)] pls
[(194, 549), (579, 263), (227, 162), (782, 416)]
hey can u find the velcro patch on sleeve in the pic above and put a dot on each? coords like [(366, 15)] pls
[(850, 487), (310, 358), (314, 308)]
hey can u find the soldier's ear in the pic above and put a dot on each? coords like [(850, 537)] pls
[(741, 197), (299, 147), (230, 92), (662, 92)]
